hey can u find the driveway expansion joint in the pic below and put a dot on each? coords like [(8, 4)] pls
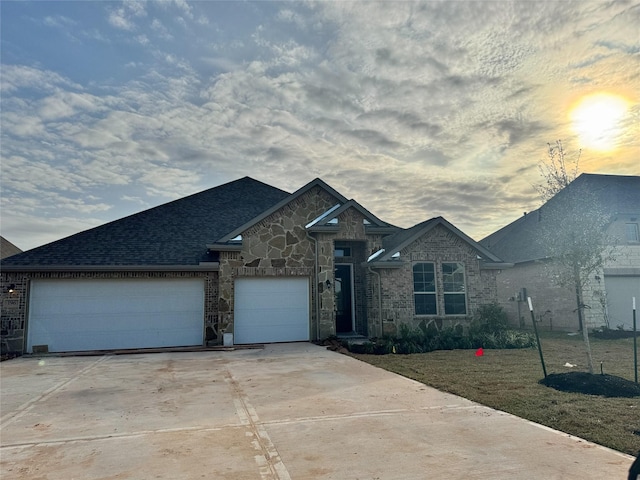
[(269, 463)]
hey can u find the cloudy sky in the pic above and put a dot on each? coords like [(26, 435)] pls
[(413, 109)]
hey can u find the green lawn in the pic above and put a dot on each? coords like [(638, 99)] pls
[(508, 380)]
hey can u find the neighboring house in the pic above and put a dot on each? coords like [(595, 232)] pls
[(7, 248), (245, 259), (608, 293)]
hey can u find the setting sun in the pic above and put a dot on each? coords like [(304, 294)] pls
[(596, 119)]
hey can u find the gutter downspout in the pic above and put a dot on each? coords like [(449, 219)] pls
[(379, 297), (314, 288)]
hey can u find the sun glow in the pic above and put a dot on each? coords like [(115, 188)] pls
[(597, 120)]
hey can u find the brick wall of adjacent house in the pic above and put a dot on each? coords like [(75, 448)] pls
[(555, 306), (13, 315), (437, 246)]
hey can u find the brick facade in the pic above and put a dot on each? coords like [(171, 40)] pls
[(438, 246)]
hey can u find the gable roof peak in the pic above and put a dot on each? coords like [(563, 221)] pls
[(298, 193), (402, 239)]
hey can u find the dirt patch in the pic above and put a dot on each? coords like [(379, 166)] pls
[(592, 384)]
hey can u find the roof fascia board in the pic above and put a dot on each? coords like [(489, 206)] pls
[(622, 272), (495, 265), (389, 264), (203, 267), (322, 216), (225, 247), (282, 203)]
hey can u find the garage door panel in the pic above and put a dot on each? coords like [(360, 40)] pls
[(76, 315), (620, 291), (271, 310)]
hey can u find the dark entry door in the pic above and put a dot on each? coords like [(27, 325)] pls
[(344, 309)]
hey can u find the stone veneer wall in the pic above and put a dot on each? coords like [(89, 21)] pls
[(14, 305), (437, 246), (276, 246)]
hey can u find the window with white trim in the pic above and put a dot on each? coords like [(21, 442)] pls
[(633, 235), (424, 289), (455, 302)]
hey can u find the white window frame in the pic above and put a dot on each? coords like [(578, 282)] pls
[(434, 293), (445, 293), (632, 233)]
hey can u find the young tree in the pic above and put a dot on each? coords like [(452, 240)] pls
[(557, 170), (573, 230)]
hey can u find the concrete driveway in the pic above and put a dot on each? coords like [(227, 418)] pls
[(289, 411)]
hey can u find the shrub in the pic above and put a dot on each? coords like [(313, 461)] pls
[(491, 318), (424, 339)]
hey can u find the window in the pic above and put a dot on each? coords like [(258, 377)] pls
[(632, 232), (454, 289), (341, 251), (424, 289)]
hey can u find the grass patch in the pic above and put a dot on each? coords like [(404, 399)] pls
[(507, 380)]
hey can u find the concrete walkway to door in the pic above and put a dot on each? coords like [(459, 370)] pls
[(290, 411)]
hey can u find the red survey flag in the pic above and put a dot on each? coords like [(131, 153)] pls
[(479, 352)]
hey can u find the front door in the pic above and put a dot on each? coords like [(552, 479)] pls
[(344, 298)]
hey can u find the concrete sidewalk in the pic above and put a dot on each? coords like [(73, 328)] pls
[(289, 411)]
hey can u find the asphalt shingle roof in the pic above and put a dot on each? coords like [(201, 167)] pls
[(520, 240), (175, 233)]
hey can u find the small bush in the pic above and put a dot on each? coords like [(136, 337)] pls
[(423, 339), (491, 318)]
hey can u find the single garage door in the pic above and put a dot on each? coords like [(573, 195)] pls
[(620, 291), (77, 315), (271, 310)]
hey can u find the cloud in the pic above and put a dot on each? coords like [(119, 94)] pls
[(118, 19), (59, 21), (15, 77), (413, 109)]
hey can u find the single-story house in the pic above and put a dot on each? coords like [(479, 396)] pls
[(608, 293), (244, 259)]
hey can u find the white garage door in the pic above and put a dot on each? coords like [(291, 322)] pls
[(620, 291), (77, 315), (271, 310)]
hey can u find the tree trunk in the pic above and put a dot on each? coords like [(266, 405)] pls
[(585, 329)]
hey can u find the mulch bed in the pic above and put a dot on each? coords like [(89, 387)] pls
[(614, 334), (592, 384)]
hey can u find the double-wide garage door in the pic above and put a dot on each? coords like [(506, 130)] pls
[(271, 310), (81, 315)]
